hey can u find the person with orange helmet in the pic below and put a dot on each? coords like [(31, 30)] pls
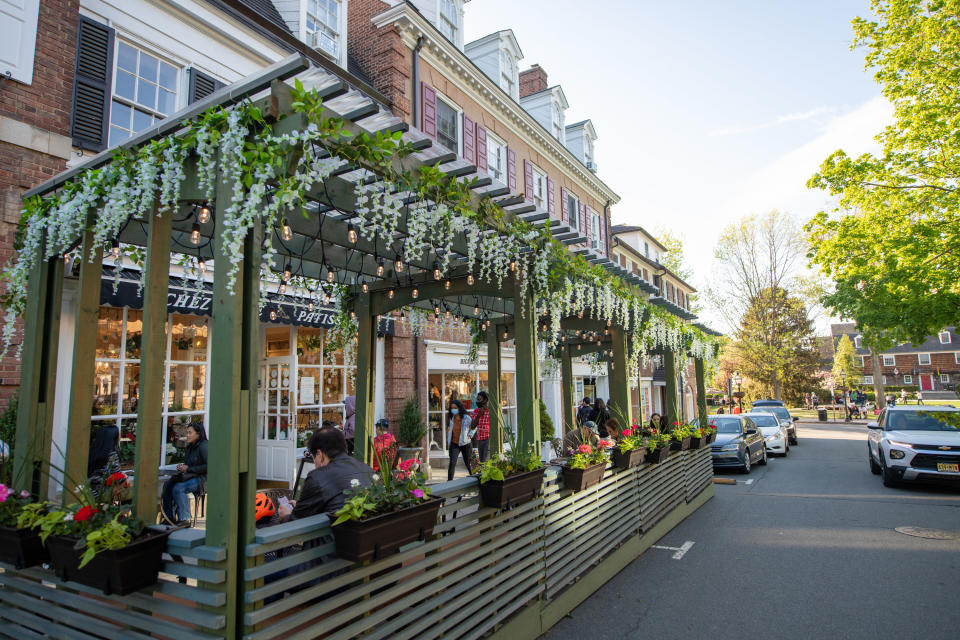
[(264, 507)]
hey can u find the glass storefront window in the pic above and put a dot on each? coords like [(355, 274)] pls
[(134, 330), (106, 385), (465, 385), (332, 386), (188, 339), (309, 345), (186, 387), (109, 332)]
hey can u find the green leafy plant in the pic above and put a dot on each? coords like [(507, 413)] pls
[(658, 441), (586, 455), (411, 429), (514, 460), (12, 504), (680, 431), (8, 435), (630, 439)]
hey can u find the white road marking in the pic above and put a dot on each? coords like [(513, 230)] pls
[(679, 551), (750, 481)]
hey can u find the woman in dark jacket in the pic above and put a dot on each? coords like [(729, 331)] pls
[(191, 476), (103, 458), (600, 416)]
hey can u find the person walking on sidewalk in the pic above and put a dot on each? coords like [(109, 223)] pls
[(919, 397), (458, 437), (481, 422), (903, 396)]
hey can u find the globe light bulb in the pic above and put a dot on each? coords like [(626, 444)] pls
[(273, 314), (380, 268), (330, 275), (286, 271), (363, 286), (415, 293), (398, 265), (195, 234), (391, 293), (204, 216), (310, 306), (286, 232), (446, 285), (470, 279), (436, 271), (351, 233)]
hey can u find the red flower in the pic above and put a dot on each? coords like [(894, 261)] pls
[(85, 513), (626, 433), (675, 423), (585, 448), (116, 477)]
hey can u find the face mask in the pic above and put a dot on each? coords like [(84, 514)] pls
[(454, 411)]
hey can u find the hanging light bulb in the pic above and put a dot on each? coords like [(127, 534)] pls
[(310, 306), (505, 334), (446, 285), (447, 314), (563, 338), (401, 314), (330, 275), (606, 332), (398, 265), (436, 271), (476, 309), (391, 293), (415, 293), (282, 288), (116, 249), (380, 268), (436, 309), (286, 271), (326, 298), (363, 286), (351, 233), (195, 234), (578, 346), (204, 216), (470, 279), (353, 315), (513, 264), (463, 322), (580, 314), (273, 315), (201, 265), (286, 232)]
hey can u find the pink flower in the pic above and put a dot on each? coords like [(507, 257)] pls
[(24, 494), (603, 444), (406, 465), (626, 433), (417, 493), (585, 448), (4, 492)]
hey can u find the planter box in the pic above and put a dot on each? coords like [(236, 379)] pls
[(512, 490), (22, 547), (681, 445), (580, 479), (628, 459), (658, 455), (696, 443), (382, 535), (117, 571), (713, 436)]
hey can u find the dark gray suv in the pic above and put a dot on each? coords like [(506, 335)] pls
[(779, 409)]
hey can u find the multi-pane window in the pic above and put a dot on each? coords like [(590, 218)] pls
[(956, 357), (323, 25), (923, 358), (907, 379), (889, 361), (539, 188), (573, 207), (323, 381), (595, 229), (867, 379), (945, 378), (448, 19), (463, 385), (144, 91), (944, 337), (557, 122), (507, 74), (496, 158), (448, 126), (856, 342)]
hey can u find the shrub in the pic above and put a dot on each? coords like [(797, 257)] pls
[(411, 429)]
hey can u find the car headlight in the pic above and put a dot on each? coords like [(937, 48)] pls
[(894, 443), (896, 454), (730, 447), (775, 436)]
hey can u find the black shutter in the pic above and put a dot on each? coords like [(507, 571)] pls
[(91, 85), (202, 85)]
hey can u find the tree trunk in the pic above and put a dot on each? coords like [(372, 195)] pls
[(877, 379), (776, 387)]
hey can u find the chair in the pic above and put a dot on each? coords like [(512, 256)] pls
[(199, 504)]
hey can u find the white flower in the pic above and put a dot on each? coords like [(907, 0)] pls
[(354, 483), (376, 477), (68, 517)]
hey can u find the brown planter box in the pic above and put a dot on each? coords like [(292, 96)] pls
[(658, 455), (696, 443), (580, 479), (628, 459), (117, 571), (713, 436), (382, 535), (22, 547), (681, 445), (512, 490)]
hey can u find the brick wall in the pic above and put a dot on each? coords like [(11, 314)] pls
[(532, 80), (940, 363), (380, 53), (45, 105)]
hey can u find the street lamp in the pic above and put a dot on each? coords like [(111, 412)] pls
[(737, 380)]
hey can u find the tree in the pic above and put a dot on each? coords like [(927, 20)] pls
[(892, 245), (775, 346), (845, 361), (674, 258), (411, 429)]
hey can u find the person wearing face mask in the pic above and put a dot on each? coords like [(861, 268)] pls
[(459, 435), (481, 422)]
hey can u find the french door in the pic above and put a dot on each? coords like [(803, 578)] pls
[(276, 439)]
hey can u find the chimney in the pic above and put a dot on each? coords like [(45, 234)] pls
[(532, 80)]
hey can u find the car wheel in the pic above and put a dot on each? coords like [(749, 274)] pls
[(874, 467), (890, 479), (786, 449), (746, 462), (763, 459)]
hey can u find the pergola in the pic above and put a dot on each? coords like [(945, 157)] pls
[(328, 246)]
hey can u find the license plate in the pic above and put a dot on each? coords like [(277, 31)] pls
[(949, 466)]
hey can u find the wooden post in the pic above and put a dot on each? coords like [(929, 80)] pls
[(84, 352), (621, 408), (701, 392), (670, 372), (569, 413), (31, 464), (528, 383), (234, 358), (152, 395), (366, 379), (493, 391)]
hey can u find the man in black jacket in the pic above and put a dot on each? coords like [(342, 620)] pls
[(335, 472)]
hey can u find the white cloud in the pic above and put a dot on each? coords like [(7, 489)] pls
[(783, 119)]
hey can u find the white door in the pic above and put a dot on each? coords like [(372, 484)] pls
[(276, 439)]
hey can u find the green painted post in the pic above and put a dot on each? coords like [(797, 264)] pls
[(493, 391), (152, 396), (670, 372), (84, 353), (701, 392), (569, 414), (621, 408), (31, 464), (528, 384), (366, 379)]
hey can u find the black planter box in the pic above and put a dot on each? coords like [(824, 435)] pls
[(702, 441), (512, 490), (580, 479), (657, 455), (680, 445), (628, 459), (117, 571), (382, 535), (22, 547)]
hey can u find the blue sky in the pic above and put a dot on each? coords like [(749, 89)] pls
[(705, 110)]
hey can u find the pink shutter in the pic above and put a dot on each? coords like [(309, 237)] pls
[(551, 203), (564, 205), (469, 140), (481, 148), (583, 220), (428, 107), (528, 180), (511, 169)]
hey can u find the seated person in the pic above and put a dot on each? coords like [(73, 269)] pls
[(584, 434), (613, 429), (323, 491), (191, 476)]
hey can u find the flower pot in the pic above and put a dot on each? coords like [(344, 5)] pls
[(657, 455), (580, 479), (21, 547), (629, 459), (696, 443), (116, 571), (411, 453), (680, 445), (713, 436), (382, 535), (512, 490)]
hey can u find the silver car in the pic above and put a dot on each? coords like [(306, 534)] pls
[(915, 443), (775, 435)]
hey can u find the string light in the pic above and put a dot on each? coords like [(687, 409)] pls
[(447, 314), (310, 306), (380, 268), (204, 216), (470, 279), (330, 275), (505, 334), (326, 298), (436, 309), (415, 293), (282, 288), (446, 285), (201, 265), (391, 293), (116, 249), (195, 234), (273, 314), (351, 234), (363, 286), (401, 314), (476, 309), (436, 271), (353, 315), (286, 271), (398, 265), (513, 264), (287, 233)]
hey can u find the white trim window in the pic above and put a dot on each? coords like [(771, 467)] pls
[(594, 219), (884, 379), (944, 337), (539, 187), (863, 361), (956, 357), (448, 124), (923, 358), (573, 209), (496, 158), (557, 118), (508, 73), (323, 26), (889, 361), (907, 379), (145, 90), (945, 378), (856, 342), (867, 379), (447, 19)]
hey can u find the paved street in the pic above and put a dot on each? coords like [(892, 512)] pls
[(807, 550)]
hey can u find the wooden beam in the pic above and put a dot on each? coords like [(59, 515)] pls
[(621, 405), (670, 372), (568, 415), (528, 382), (701, 392), (493, 391), (366, 379)]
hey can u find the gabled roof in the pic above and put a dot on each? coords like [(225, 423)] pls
[(624, 228)]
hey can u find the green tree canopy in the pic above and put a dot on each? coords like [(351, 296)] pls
[(846, 361), (892, 245)]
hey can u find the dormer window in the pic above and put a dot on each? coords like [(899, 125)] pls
[(557, 122), (448, 19), (508, 79), (588, 152), (323, 26)]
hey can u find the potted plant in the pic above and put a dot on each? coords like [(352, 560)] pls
[(377, 520), (20, 544), (97, 542), (411, 430), (586, 465), (680, 437), (711, 432), (513, 477), (658, 447), (629, 451), (699, 437)]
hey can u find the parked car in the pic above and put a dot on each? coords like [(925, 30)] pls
[(778, 408), (739, 442), (915, 443), (773, 431)]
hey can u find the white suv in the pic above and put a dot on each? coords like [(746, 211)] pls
[(915, 443)]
